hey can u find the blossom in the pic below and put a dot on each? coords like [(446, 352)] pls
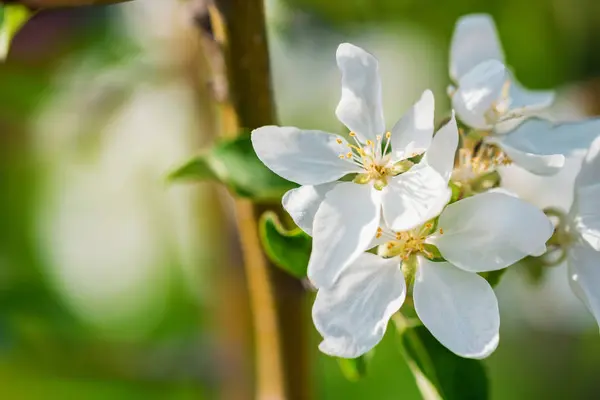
[(487, 92), (580, 234), (486, 232), (343, 217), (488, 98)]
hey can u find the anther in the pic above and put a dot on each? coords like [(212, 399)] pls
[(378, 137), (341, 156), (369, 142), (349, 155), (441, 231), (352, 134), (339, 140), (388, 135)]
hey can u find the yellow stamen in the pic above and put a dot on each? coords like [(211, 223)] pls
[(339, 140)]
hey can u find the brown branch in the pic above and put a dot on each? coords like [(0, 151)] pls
[(236, 46)]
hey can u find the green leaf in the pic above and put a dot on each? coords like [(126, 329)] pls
[(196, 169), (234, 163), (13, 17), (354, 369), (441, 374), (289, 250)]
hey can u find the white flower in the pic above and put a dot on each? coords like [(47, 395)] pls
[(489, 98), (343, 217), (487, 92), (486, 232), (583, 233)]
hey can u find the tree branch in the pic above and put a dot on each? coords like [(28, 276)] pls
[(238, 52)]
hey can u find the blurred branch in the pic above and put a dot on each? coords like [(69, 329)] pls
[(236, 46), (37, 4)]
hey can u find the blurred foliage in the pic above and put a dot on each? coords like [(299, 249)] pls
[(560, 35), (355, 368)]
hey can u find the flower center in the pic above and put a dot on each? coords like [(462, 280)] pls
[(374, 158), (477, 158), (406, 244)]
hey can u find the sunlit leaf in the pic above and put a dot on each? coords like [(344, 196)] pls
[(13, 17), (440, 374), (289, 250), (234, 163)]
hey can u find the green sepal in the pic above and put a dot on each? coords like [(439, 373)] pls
[(441, 374), (435, 252), (234, 163), (287, 249)]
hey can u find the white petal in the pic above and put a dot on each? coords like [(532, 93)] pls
[(412, 198), (302, 203), (528, 100), (353, 314), (474, 40), (521, 153), (442, 152), (491, 231), (546, 137), (360, 107), (589, 175), (459, 308), (585, 211), (477, 91), (584, 277), (343, 228), (585, 214), (412, 134), (304, 157)]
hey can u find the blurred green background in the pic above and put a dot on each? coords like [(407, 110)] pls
[(115, 285)]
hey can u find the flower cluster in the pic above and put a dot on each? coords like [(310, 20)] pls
[(407, 213)]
